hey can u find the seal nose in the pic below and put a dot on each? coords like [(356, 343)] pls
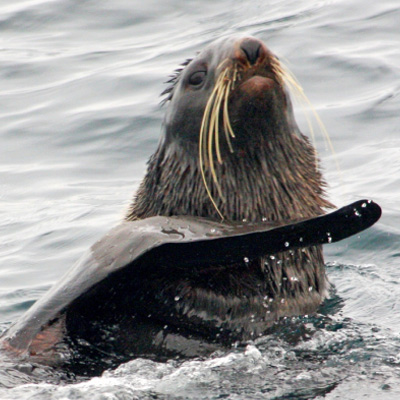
[(251, 48)]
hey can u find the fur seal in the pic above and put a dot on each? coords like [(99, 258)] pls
[(223, 236), (235, 152)]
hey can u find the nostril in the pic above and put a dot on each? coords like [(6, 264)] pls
[(251, 47)]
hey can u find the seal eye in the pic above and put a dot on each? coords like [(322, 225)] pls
[(197, 78)]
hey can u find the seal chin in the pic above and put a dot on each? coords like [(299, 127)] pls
[(257, 103)]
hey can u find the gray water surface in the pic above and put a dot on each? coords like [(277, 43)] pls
[(79, 117)]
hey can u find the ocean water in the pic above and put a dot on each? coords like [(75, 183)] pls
[(80, 115)]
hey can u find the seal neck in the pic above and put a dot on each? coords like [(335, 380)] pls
[(275, 181)]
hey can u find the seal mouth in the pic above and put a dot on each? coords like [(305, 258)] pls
[(256, 86)]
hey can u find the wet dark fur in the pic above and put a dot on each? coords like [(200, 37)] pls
[(274, 180)]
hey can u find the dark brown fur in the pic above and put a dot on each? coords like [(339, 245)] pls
[(273, 177)]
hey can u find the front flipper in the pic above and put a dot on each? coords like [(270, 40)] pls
[(230, 243), (137, 251)]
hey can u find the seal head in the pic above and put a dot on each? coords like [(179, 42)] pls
[(246, 70)]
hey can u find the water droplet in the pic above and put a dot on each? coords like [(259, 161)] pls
[(212, 230), (272, 257), (264, 219), (301, 240), (177, 298), (329, 239), (244, 220), (245, 259), (310, 289), (363, 205), (165, 327), (286, 244)]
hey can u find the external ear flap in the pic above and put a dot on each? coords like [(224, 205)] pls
[(172, 81)]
